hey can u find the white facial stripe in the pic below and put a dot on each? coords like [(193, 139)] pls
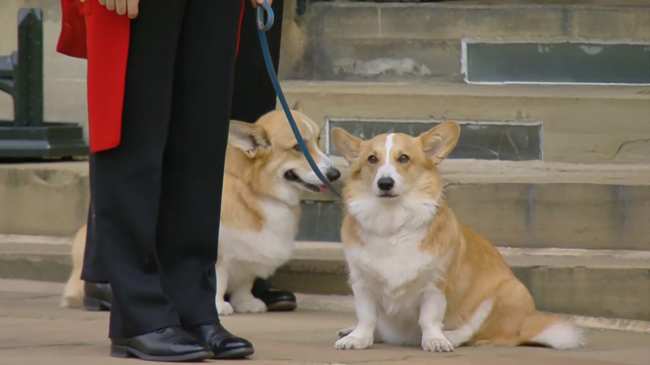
[(389, 148), (387, 169)]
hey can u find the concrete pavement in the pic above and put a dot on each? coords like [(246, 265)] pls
[(34, 330)]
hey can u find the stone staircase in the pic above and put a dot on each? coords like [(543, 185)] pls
[(558, 176), (571, 220)]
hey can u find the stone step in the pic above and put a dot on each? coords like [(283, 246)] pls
[(531, 204), (42, 258), (589, 124), (406, 41), (48, 199), (520, 204), (600, 283)]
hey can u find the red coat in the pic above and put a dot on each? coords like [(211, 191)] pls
[(90, 31)]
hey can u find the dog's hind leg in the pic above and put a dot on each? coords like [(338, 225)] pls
[(465, 332), (73, 292)]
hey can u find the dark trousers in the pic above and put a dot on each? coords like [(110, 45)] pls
[(155, 214), (253, 95)]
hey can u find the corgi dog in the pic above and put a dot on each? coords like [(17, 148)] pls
[(265, 173), (419, 277)]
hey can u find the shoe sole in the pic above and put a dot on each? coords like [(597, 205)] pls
[(126, 352), (285, 306), (96, 305), (234, 354)]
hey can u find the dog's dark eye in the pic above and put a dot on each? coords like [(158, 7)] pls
[(373, 159), (296, 147), (403, 158)]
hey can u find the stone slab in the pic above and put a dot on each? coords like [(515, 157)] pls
[(582, 282), (595, 283), (422, 40), (587, 124)]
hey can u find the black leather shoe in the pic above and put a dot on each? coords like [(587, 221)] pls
[(166, 344), (97, 296), (223, 344), (277, 300)]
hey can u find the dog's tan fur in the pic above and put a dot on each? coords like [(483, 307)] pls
[(73, 292), (259, 209), (442, 269)]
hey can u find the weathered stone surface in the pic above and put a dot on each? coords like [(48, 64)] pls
[(530, 215), (587, 124), (42, 201), (583, 282), (430, 34), (522, 204), (601, 283)]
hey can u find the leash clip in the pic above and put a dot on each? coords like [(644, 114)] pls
[(265, 11)]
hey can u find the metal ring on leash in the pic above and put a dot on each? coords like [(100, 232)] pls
[(266, 12), (265, 9)]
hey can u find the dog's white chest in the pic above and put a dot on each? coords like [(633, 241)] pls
[(394, 265), (267, 248)]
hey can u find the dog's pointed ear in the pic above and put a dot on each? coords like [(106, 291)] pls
[(346, 144), (248, 138), (440, 140), (297, 106)]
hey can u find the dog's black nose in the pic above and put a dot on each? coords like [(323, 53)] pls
[(385, 183), (332, 174)]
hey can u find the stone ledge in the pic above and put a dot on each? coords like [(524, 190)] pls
[(597, 283)]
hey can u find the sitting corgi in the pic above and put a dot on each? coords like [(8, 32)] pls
[(418, 275), (260, 207), (265, 172)]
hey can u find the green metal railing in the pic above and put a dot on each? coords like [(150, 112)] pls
[(28, 136)]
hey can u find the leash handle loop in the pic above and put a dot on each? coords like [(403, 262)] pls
[(265, 11)]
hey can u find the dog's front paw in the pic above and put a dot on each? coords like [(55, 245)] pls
[(344, 332), (252, 305), (354, 342), (224, 308), (437, 343)]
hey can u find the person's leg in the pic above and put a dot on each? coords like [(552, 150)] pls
[(92, 267), (97, 291), (188, 224), (127, 179), (253, 93), (253, 96)]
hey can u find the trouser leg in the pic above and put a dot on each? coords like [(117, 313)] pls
[(188, 225), (128, 179)]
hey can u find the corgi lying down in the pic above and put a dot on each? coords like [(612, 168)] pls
[(264, 174), (420, 277)]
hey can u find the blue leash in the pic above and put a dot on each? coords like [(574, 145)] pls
[(266, 12)]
